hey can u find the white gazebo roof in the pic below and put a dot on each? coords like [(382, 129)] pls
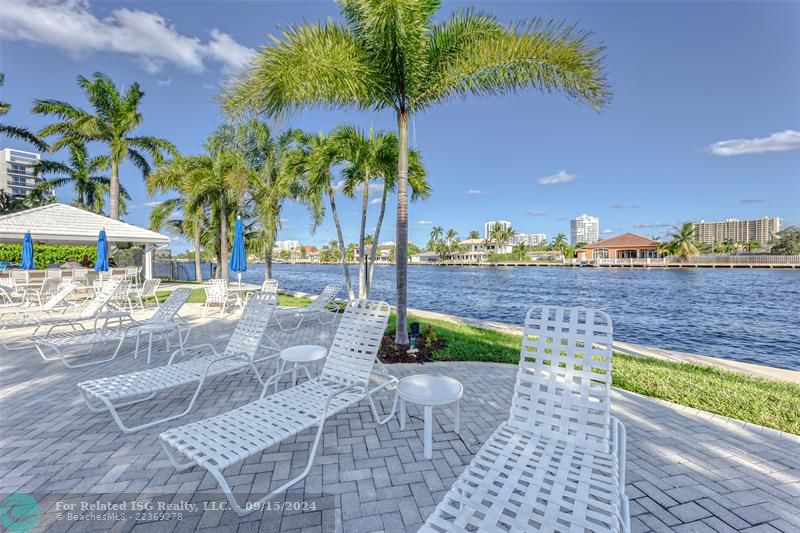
[(65, 224)]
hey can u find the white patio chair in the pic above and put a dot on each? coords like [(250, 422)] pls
[(148, 290), (11, 295), (269, 286), (241, 353), (132, 275), (217, 293), (81, 275), (49, 288), (224, 440), (163, 322), (35, 318), (322, 305), (558, 462), (53, 273), (55, 302)]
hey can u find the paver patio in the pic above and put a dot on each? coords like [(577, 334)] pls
[(687, 470)]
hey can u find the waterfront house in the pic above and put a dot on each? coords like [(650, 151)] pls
[(425, 257), (477, 251), (625, 246)]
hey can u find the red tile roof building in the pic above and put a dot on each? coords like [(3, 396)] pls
[(623, 246)]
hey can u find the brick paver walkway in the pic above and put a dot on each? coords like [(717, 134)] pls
[(687, 470)]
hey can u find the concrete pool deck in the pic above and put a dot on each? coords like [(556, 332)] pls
[(687, 470)]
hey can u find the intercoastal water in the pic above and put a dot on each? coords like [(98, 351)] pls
[(750, 315)]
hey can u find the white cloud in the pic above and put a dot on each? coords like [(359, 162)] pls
[(424, 222), (562, 176), (537, 213), (654, 225), (607, 231), (782, 141), (164, 83), (146, 205), (148, 37), (375, 201), (624, 206), (753, 201), (474, 191)]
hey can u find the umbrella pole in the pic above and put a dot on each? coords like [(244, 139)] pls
[(239, 275)]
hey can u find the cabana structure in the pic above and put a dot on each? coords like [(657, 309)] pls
[(65, 224)]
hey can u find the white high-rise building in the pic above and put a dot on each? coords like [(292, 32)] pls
[(286, 246), (489, 226), (18, 175), (584, 228), (529, 239), (761, 230)]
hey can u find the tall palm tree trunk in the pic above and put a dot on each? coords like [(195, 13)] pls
[(113, 193), (198, 265), (363, 289), (268, 263), (223, 238), (375, 239), (339, 234), (401, 255)]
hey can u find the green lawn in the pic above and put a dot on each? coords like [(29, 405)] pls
[(759, 401), (198, 297)]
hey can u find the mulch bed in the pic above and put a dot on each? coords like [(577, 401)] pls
[(389, 352)]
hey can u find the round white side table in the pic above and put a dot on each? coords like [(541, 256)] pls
[(429, 390), (304, 355)]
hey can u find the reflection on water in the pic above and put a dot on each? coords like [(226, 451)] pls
[(746, 314)]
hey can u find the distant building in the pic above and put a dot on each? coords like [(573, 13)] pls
[(529, 239), (584, 228), (489, 226), (18, 174), (425, 257), (761, 230), (477, 251), (625, 246), (286, 246)]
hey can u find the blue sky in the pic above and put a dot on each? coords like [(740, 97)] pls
[(704, 123)]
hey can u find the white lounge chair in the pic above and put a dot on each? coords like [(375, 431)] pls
[(323, 305), (242, 352), (52, 318), (558, 462), (217, 293), (147, 290), (163, 322), (221, 441)]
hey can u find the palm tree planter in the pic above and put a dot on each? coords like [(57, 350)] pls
[(390, 54)]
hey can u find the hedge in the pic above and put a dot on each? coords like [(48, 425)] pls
[(45, 254)]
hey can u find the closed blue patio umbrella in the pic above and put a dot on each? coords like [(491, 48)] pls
[(27, 253), (101, 264), (238, 261)]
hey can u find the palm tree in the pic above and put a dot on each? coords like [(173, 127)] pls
[(272, 181), (15, 132), (787, 242), (474, 234), (664, 249), (393, 55), (312, 159), (181, 175), (752, 246), (501, 235), (520, 250), (684, 242), (365, 156), (451, 237), (115, 118), (437, 232), (560, 242), (81, 172), (729, 246)]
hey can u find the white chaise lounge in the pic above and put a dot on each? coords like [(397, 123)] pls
[(232, 437), (163, 322), (558, 462), (322, 306), (50, 316), (241, 353)]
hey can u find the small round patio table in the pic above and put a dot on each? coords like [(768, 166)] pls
[(305, 355), (429, 391)]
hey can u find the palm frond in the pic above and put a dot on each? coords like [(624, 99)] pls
[(311, 65), (537, 54), (139, 161), (23, 134)]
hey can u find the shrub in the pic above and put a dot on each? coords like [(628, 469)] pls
[(45, 254)]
